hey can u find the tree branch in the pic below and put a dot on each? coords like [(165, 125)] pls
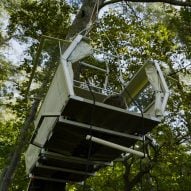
[(171, 2)]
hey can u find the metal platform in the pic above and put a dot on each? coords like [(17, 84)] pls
[(65, 153)]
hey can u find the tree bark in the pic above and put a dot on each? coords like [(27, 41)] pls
[(86, 15)]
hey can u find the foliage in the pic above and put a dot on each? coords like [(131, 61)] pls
[(181, 24), (28, 21), (39, 17)]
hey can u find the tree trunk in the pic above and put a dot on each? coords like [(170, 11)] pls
[(85, 16)]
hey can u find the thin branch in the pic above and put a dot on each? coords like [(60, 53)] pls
[(171, 2)]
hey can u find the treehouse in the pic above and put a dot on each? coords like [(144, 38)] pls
[(76, 131)]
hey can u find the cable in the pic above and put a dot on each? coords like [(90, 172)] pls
[(120, 78), (90, 131), (142, 126), (142, 116), (141, 181), (88, 29)]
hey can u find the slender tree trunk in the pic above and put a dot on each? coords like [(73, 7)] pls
[(22, 140)]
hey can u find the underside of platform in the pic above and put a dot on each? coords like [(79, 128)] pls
[(75, 128), (68, 156)]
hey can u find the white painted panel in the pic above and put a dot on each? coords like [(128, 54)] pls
[(44, 131), (81, 51), (54, 102), (31, 156)]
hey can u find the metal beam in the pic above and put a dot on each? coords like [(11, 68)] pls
[(57, 39), (40, 122), (63, 169), (164, 87), (98, 129), (50, 114), (73, 159), (92, 66)]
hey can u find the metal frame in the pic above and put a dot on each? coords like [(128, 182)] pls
[(135, 86), (63, 169), (99, 129), (49, 179), (166, 91), (94, 67), (46, 115), (140, 81), (31, 156), (73, 159), (100, 104), (74, 48), (67, 67)]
